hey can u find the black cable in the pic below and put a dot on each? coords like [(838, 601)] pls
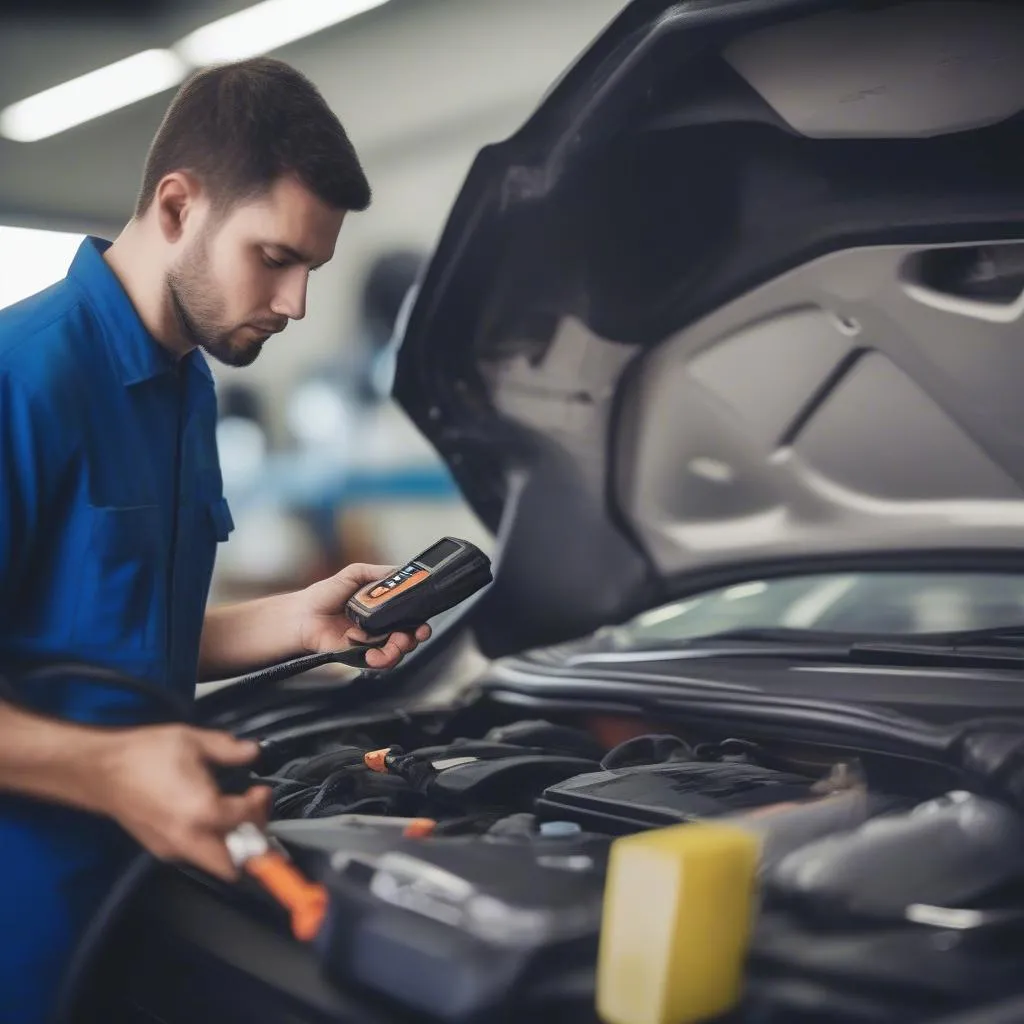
[(175, 706), (219, 701), (92, 941), (355, 657)]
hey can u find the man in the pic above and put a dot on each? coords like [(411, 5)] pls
[(111, 504)]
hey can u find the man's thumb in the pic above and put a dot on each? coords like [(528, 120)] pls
[(223, 748), (358, 574)]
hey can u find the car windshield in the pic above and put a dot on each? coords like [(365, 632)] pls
[(887, 604)]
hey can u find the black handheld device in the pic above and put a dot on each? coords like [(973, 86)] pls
[(434, 581)]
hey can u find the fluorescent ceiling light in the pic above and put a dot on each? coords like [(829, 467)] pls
[(258, 29), (31, 260), (92, 95), (266, 26)]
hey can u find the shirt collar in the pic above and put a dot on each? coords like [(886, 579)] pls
[(136, 353)]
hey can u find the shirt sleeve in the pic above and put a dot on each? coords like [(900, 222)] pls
[(30, 473)]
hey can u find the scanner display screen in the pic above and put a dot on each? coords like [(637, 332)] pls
[(437, 554)]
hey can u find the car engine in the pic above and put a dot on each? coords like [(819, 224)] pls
[(467, 873)]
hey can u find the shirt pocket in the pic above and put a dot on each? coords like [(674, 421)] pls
[(220, 516), (208, 524), (214, 525), (120, 598)]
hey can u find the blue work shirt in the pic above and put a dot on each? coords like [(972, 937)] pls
[(111, 508)]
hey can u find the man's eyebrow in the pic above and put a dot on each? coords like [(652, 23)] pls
[(295, 254)]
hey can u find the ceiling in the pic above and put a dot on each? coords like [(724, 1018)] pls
[(405, 78)]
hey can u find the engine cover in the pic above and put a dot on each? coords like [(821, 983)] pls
[(654, 795)]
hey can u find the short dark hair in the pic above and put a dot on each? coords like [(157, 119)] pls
[(239, 127)]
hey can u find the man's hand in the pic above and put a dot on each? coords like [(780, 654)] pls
[(267, 630), (156, 784), (324, 626)]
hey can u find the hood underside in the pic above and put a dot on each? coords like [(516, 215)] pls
[(743, 297)]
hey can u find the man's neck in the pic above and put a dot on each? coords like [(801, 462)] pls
[(144, 281)]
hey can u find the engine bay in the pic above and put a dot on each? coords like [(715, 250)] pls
[(537, 772), (467, 857)]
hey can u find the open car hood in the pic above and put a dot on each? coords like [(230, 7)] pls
[(743, 297)]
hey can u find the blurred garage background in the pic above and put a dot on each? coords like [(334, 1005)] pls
[(320, 467)]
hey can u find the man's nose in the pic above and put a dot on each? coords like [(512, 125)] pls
[(290, 300)]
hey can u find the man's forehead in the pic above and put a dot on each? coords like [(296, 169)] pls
[(289, 195)]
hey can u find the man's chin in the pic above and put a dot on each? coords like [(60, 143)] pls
[(234, 355)]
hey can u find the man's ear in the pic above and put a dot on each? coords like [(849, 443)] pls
[(175, 201)]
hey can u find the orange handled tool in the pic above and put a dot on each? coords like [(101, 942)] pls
[(251, 851)]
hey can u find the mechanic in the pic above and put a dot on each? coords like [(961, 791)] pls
[(112, 504)]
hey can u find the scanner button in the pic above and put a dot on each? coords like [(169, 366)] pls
[(378, 591)]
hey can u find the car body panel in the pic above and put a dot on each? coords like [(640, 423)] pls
[(685, 327)]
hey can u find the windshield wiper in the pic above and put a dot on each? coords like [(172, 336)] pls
[(1001, 636), (996, 636), (923, 655), (998, 647), (773, 635)]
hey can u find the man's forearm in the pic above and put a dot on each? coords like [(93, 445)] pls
[(53, 761), (242, 637)]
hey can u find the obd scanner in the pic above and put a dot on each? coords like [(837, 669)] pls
[(435, 580)]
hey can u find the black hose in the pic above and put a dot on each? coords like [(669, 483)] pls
[(211, 707), (101, 924), (176, 708), (355, 657)]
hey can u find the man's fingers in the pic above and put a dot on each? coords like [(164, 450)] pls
[(383, 657), (233, 810), (236, 810), (206, 847), (209, 852), (258, 801), (404, 642), (223, 748), (397, 645)]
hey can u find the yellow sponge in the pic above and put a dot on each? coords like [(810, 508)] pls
[(678, 909)]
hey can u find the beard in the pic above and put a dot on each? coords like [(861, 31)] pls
[(199, 310)]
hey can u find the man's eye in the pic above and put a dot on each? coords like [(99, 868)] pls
[(271, 262)]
